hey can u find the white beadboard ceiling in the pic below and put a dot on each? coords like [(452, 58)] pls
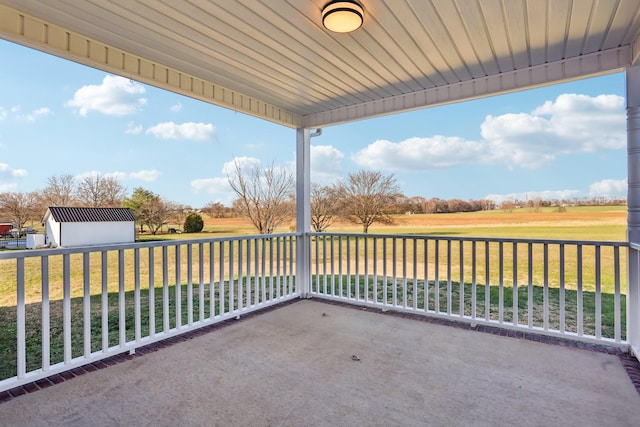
[(274, 60)]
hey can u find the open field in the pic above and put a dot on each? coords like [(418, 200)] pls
[(583, 223), (589, 222), (565, 306)]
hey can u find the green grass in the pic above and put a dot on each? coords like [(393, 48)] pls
[(413, 296), (8, 341), (569, 230), (607, 232)]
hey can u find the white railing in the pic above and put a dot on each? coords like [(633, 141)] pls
[(572, 289), (63, 308)]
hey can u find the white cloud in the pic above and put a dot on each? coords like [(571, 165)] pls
[(29, 117), (145, 175), (148, 175), (609, 188), (142, 175), (133, 129), (421, 153), (216, 185), (116, 96), (245, 164), (570, 124), (42, 111), (7, 187), (91, 174), (7, 170), (7, 177), (177, 107), (35, 114), (189, 131), (325, 163), (219, 185)]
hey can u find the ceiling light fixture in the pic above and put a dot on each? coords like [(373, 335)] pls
[(342, 16)]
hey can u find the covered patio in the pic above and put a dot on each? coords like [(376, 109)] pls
[(312, 362)]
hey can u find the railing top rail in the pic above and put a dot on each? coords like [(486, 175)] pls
[(476, 239), (28, 253)]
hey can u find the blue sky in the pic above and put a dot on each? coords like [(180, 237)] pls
[(58, 117)]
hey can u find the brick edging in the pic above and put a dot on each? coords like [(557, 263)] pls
[(52, 380), (628, 361)]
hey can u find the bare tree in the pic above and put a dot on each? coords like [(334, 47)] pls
[(179, 212), (156, 212), (366, 197), (324, 206), (59, 191), (536, 204), (214, 209), (264, 195), (488, 204), (19, 207), (99, 191), (432, 205), (508, 206)]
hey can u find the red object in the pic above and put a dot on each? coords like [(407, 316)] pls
[(5, 227)]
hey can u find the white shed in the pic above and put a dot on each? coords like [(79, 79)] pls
[(70, 226)]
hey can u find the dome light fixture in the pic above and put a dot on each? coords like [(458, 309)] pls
[(342, 16)]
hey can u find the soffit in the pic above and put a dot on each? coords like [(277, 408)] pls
[(274, 60)]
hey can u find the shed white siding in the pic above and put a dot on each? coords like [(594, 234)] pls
[(92, 233), (51, 231), (67, 227)]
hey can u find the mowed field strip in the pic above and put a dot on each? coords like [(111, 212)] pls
[(601, 223), (607, 223)]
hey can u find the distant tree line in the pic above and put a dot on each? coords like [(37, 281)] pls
[(537, 203), (264, 195)]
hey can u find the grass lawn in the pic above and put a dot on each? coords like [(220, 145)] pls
[(579, 223)]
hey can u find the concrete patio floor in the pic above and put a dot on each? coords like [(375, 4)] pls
[(312, 363)]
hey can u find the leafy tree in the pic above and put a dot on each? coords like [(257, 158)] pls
[(193, 223), (138, 202), (368, 197), (99, 191), (18, 207), (264, 195), (324, 206)]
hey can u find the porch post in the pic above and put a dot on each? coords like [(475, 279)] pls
[(633, 206), (303, 212)]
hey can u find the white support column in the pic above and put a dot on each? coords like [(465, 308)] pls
[(303, 211), (633, 206)]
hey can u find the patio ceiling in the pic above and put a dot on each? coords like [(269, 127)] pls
[(274, 60)]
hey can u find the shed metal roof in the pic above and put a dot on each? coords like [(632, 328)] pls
[(274, 60), (83, 214)]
